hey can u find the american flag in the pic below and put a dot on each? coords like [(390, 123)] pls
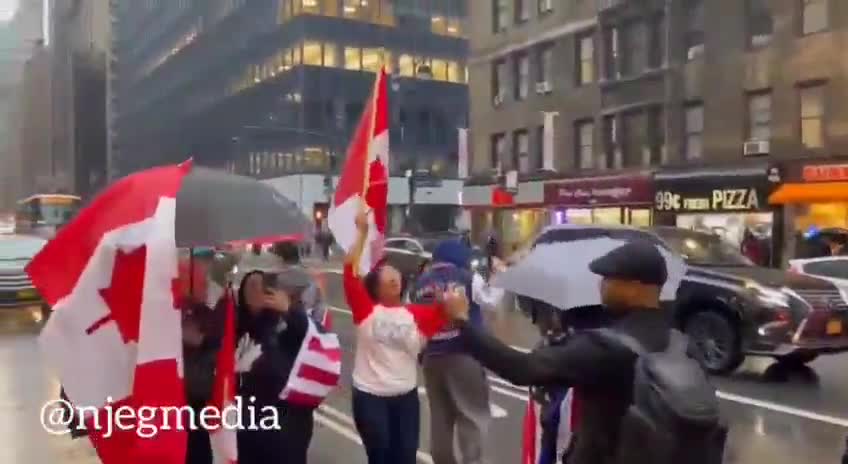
[(316, 370)]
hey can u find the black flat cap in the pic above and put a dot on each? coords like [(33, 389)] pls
[(638, 261)]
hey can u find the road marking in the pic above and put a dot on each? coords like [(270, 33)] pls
[(496, 410), (733, 398), (347, 431)]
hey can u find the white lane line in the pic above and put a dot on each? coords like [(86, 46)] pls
[(748, 401), (348, 432), (509, 393)]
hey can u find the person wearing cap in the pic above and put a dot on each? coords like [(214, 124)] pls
[(603, 374)]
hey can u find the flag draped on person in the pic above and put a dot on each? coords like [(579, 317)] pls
[(365, 177), (114, 337), (222, 438)]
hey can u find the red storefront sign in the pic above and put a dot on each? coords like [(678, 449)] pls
[(825, 173), (601, 191)]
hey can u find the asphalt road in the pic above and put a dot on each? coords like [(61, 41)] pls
[(775, 417)]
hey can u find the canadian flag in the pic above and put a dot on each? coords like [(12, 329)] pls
[(223, 439), (115, 333), (365, 177)]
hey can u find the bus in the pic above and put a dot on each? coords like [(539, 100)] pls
[(44, 214)]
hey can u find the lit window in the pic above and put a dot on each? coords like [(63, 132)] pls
[(388, 62), (351, 8), (406, 66), (353, 58), (287, 59), (311, 7), (439, 25), (296, 56), (586, 70), (372, 59), (312, 53), (455, 27), (314, 158), (759, 116), (455, 72), (440, 70), (330, 51)]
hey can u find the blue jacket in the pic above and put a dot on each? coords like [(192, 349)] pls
[(451, 267)]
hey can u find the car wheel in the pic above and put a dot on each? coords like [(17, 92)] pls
[(797, 359), (716, 341)]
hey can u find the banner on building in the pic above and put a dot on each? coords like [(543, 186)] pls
[(548, 141), (462, 153)]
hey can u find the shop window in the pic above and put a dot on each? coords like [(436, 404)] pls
[(372, 59), (812, 116), (353, 58), (498, 150), (330, 55), (584, 132), (759, 116), (521, 76), (760, 23), (312, 54), (640, 217), (545, 63), (586, 62), (606, 216), (694, 29), (814, 16), (578, 216), (439, 69), (521, 151), (694, 127), (500, 15), (522, 11)]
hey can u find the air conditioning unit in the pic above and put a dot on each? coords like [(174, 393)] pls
[(543, 87), (498, 100), (756, 147), (546, 5)]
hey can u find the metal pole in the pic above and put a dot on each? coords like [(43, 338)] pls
[(669, 90)]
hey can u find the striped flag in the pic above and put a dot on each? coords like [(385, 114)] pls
[(562, 418), (316, 370)]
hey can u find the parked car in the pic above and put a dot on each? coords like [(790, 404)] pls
[(16, 290), (410, 254), (830, 268), (731, 308)]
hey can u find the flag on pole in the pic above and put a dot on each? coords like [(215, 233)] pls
[(110, 277), (365, 176), (223, 440), (316, 370)]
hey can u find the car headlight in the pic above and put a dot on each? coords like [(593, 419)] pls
[(768, 296)]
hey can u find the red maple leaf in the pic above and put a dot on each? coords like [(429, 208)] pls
[(377, 195), (124, 294)]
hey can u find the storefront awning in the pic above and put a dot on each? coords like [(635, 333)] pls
[(824, 192)]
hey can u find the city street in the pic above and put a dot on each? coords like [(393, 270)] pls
[(775, 416)]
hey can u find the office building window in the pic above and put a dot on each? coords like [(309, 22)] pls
[(694, 29), (388, 60), (586, 59), (522, 11), (353, 58), (456, 73), (540, 146), (546, 6), (439, 68), (613, 53), (759, 116), (656, 135), (312, 53), (521, 151), (611, 144), (330, 52), (584, 134), (814, 16), (812, 116), (499, 81), (632, 47), (760, 23), (694, 128), (545, 62), (500, 15), (310, 6), (521, 76), (656, 42), (372, 59), (406, 65), (498, 150), (634, 146)]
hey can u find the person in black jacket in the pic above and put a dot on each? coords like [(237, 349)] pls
[(632, 278), (270, 332)]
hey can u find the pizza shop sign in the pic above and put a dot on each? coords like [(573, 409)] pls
[(742, 199)]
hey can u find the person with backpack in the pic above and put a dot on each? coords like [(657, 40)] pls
[(643, 398)]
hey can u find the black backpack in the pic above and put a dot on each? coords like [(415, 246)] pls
[(674, 417)]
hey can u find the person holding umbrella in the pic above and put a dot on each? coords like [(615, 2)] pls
[(608, 366)]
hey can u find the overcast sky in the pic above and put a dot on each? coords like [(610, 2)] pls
[(7, 9)]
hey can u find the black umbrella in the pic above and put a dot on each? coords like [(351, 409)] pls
[(215, 207)]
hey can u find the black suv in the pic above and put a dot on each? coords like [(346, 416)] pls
[(731, 308), (410, 254)]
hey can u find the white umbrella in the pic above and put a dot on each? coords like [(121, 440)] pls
[(558, 272)]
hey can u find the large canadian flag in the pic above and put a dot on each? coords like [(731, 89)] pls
[(115, 333), (365, 177)]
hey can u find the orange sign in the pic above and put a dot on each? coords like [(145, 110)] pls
[(825, 173)]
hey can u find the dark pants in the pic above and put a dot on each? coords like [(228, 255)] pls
[(389, 426), (288, 445), (199, 448)]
